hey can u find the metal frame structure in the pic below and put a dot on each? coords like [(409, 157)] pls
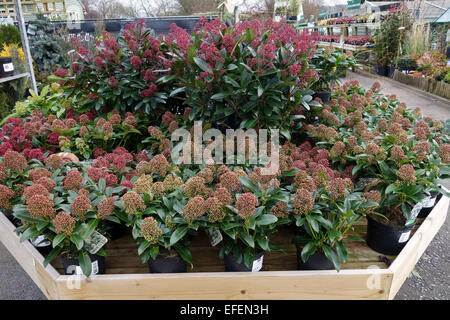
[(26, 50)]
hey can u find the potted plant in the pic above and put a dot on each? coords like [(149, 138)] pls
[(325, 208), (406, 63), (389, 40), (249, 221), (68, 208), (6, 67), (326, 61), (162, 217), (163, 227), (394, 150)]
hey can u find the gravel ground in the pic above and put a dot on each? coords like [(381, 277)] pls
[(433, 267)]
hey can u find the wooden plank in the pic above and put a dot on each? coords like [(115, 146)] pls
[(122, 254), (411, 253), (27, 256), (347, 284)]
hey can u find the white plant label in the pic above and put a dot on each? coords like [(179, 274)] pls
[(40, 241), (404, 237), (94, 268), (257, 264), (430, 202), (7, 67), (95, 242), (215, 237)]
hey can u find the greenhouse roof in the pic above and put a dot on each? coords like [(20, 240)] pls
[(444, 18)]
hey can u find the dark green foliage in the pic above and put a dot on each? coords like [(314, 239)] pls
[(9, 34), (46, 49)]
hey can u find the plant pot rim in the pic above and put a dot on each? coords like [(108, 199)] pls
[(395, 227)]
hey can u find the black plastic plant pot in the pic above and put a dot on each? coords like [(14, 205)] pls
[(390, 71), (385, 239), (162, 264), (381, 70), (317, 261), (42, 245), (8, 214), (115, 230), (6, 67), (72, 266), (324, 96), (425, 211), (342, 72), (231, 265)]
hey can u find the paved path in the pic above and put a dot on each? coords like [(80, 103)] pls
[(433, 267)]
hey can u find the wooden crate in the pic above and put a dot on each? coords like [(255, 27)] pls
[(363, 277)]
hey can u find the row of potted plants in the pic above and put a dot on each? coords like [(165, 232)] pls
[(364, 18), (353, 40), (398, 155), (72, 204), (247, 76)]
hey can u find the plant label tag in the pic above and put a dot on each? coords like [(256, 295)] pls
[(94, 268), (404, 237), (7, 67), (95, 242), (430, 202), (416, 210), (257, 264), (40, 241), (215, 237)]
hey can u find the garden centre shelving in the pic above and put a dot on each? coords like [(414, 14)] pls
[(15, 77), (363, 277), (338, 45), (26, 49)]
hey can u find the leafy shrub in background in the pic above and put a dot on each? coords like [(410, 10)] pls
[(330, 63), (119, 74), (46, 48), (388, 41), (249, 75), (9, 34)]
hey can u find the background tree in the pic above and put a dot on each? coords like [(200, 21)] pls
[(312, 8), (91, 12)]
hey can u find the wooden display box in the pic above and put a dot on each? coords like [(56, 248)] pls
[(365, 276)]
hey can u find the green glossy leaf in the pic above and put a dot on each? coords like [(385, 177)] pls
[(85, 263), (178, 234), (58, 239), (266, 219)]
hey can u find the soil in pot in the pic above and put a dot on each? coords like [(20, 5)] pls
[(72, 266), (317, 261), (42, 245), (426, 209), (323, 95), (387, 239), (6, 67), (231, 265), (167, 262), (114, 231)]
